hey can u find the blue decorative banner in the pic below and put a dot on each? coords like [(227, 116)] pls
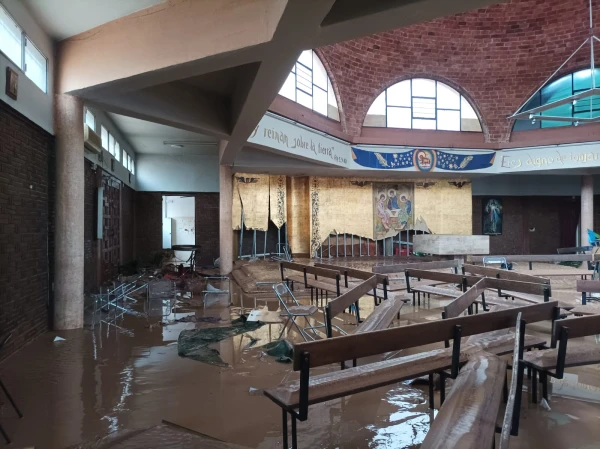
[(423, 160)]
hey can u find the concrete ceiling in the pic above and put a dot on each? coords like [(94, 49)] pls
[(213, 67), (149, 138), (66, 18)]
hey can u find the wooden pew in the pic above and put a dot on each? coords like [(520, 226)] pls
[(310, 281), (551, 258), (436, 265), (348, 272), (585, 287), (463, 280), (552, 362), (467, 420), (502, 274), (295, 397)]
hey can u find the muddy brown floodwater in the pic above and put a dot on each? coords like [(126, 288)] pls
[(101, 381)]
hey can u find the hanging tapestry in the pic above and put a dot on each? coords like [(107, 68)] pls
[(492, 216), (277, 200), (392, 209), (254, 194), (236, 208)]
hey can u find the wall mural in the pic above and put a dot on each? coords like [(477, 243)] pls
[(492, 216), (423, 160), (393, 208)]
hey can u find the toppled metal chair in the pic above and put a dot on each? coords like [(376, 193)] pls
[(212, 294), (8, 396), (294, 311)]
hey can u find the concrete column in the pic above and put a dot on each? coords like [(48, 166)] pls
[(587, 207), (68, 259), (225, 214)]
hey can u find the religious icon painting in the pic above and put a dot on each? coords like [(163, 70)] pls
[(393, 209), (492, 216)]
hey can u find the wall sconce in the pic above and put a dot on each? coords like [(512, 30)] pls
[(360, 183), (459, 184), (532, 229), (425, 185), (246, 180)]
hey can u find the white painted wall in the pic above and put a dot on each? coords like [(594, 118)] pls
[(168, 173), (104, 161), (530, 185), (31, 101), (180, 212)]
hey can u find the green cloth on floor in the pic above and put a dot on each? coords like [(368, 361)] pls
[(194, 344), (280, 349)]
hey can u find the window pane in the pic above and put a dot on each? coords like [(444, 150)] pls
[(399, 94), (288, 90), (36, 65), (90, 120), (448, 120), (558, 90), (399, 117), (132, 166), (423, 88), (306, 58), (304, 99), (582, 80), (319, 73), (331, 95), (424, 108), (423, 124), (10, 37), (117, 151), (111, 144), (320, 101), (378, 106), (304, 79), (467, 110), (104, 136), (447, 98), (125, 159)]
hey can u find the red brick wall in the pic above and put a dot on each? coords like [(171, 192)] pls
[(497, 57), (26, 157), (148, 224)]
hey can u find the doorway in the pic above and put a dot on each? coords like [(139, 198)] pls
[(179, 224)]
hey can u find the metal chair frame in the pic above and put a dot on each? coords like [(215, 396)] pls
[(281, 289)]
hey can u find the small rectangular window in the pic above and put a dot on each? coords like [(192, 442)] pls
[(111, 144), (132, 167), (36, 65), (104, 136), (117, 151), (125, 159), (90, 120), (11, 38)]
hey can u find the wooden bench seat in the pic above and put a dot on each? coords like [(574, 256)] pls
[(584, 354), (439, 291), (586, 310), (342, 383), (382, 316), (467, 420)]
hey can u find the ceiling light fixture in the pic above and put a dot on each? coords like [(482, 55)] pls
[(188, 143), (535, 112), (175, 145)]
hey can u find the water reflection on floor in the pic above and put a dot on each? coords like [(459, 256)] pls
[(101, 381)]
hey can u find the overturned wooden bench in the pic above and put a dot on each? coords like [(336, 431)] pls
[(312, 278), (295, 397), (462, 280), (593, 260), (434, 265)]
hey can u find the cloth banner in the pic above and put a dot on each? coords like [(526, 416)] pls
[(277, 200)]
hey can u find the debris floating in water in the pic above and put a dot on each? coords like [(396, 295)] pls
[(57, 338)]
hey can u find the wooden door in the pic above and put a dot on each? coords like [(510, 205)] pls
[(111, 237)]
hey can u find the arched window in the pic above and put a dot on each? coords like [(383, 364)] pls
[(422, 104), (309, 85), (565, 87)]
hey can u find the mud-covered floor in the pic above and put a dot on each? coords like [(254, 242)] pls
[(101, 381)]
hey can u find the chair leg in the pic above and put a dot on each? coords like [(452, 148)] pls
[(285, 430), (10, 399), (534, 386), (506, 387), (284, 327), (431, 399), (442, 388), (294, 434), (544, 380), (4, 434)]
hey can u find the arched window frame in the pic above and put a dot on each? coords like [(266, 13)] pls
[(309, 84), (562, 87), (416, 104)]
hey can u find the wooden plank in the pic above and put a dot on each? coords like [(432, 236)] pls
[(503, 274), (449, 278), (467, 420), (588, 286), (517, 286), (539, 258), (588, 309), (337, 384), (575, 250), (382, 316), (332, 274), (579, 327), (349, 347), (344, 301), (353, 272), (510, 403), (437, 265), (585, 354), (462, 303), (448, 292)]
